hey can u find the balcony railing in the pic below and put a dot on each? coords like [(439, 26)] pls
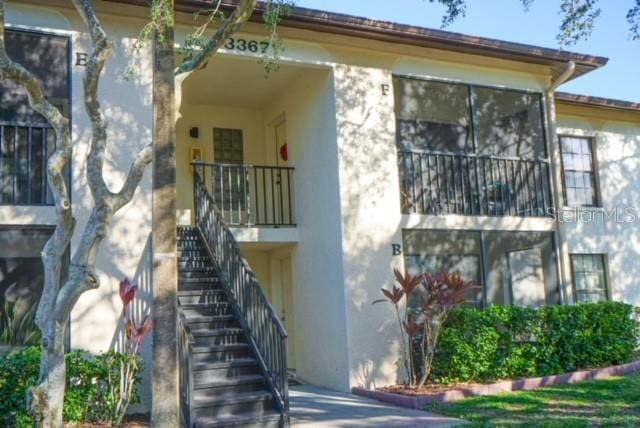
[(24, 151), (437, 183), (251, 195)]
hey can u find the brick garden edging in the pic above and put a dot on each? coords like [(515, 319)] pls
[(420, 401)]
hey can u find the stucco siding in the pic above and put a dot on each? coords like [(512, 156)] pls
[(614, 228)]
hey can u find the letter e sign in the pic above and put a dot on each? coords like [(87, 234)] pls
[(81, 59)]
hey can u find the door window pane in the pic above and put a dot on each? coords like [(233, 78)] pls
[(589, 278), (432, 116), (578, 171), (21, 282), (509, 123)]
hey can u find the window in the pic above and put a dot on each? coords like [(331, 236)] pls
[(432, 116), (578, 172), (434, 251), (514, 268), (26, 139), (470, 150), (509, 123), (230, 181), (21, 282), (589, 277), (227, 145)]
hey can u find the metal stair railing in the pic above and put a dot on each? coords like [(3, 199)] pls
[(265, 333)]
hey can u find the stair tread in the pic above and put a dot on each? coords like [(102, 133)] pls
[(203, 348), (207, 318), (236, 362), (188, 293), (237, 420), (216, 331), (235, 380), (230, 398)]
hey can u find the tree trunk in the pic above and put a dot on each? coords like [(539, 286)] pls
[(165, 398)]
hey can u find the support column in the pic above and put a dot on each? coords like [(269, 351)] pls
[(165, 392)]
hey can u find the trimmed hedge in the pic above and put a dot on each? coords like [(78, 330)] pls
[(507, 342), (89, 382)]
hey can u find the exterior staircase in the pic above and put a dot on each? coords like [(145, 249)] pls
[(222, 382)]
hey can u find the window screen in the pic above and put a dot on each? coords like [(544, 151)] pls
[(509, 123), (21, 282), (432, 116), (578, 172), (26, 139), (589, 277), (434, 251)]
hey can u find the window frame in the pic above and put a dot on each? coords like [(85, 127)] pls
[(64, 271), (484, 257), (472, 108), (605, 275), (594, 171), (69, 42)]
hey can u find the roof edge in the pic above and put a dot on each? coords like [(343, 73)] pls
[(355, 26), (598, 102)]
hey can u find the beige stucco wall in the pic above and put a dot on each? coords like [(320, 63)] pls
[(341, 136), (617, 146), (127, 107), (205, 118)]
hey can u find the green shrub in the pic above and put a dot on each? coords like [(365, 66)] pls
[(510, 342), (92, 384)]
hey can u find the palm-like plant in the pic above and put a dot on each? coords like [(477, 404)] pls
[(422, 325)]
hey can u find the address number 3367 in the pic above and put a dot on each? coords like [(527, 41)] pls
[(244, 45)]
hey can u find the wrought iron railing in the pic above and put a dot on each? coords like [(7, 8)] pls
[(24, 151), (265, 332), (468, 184), (251, 195), (186, 381)]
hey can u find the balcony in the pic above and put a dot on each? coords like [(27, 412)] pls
[(251, 195), (435, 183), (25, 149)]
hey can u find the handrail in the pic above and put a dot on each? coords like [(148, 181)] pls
[(434, 183), (251, 195), (187, 384), (264, 329), (245, 165)]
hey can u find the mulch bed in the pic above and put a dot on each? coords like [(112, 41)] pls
[(130, 421), (401, 395)]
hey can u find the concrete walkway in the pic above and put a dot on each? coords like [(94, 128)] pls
[(318, 407)]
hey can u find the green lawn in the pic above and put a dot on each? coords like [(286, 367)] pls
[(612, 402)]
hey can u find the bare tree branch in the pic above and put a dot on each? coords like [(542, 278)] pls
[(233, 23), (102, 50), (57, 244), (136, 172)]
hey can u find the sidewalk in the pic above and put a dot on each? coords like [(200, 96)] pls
[(314, 407)]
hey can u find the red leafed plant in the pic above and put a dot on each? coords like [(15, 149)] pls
[(420, 325), (134, 335)]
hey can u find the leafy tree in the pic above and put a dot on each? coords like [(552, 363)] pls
[(46, 398)]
